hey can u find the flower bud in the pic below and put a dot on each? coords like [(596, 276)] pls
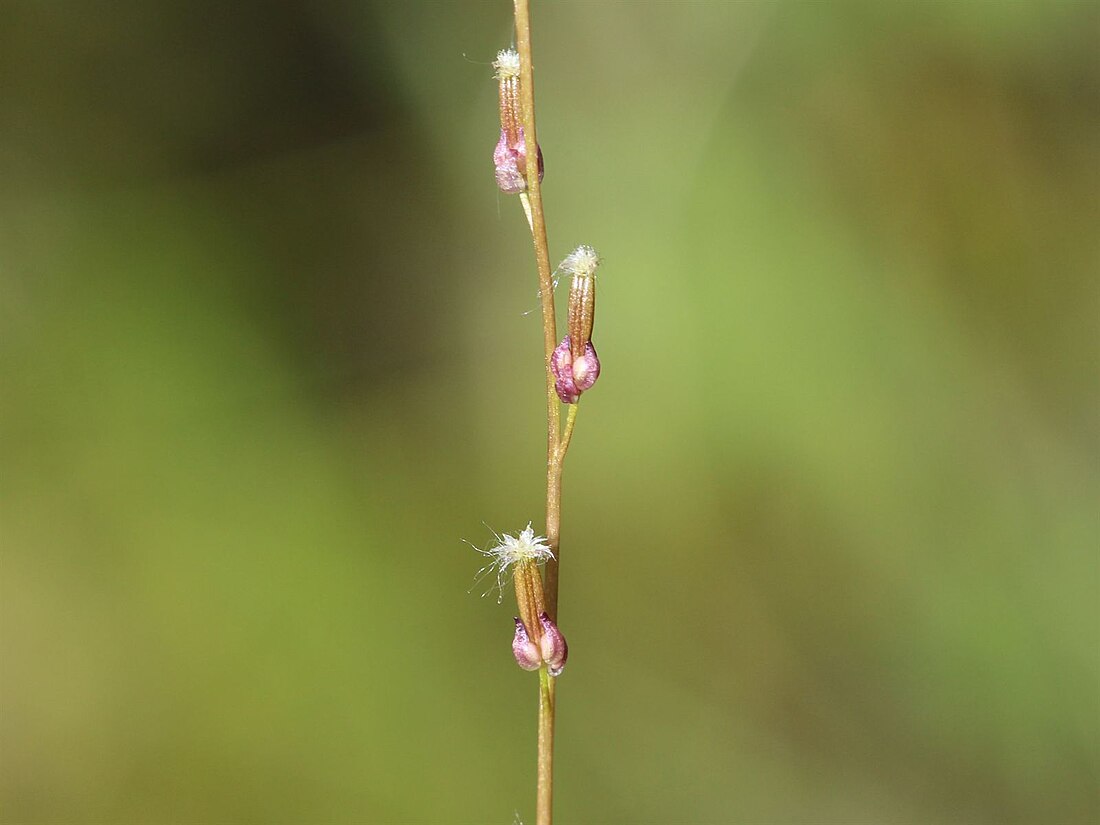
[(552, 646), (510, 155), (572, 377), (527, 653)]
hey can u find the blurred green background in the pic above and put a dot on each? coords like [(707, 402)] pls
[(830, 519)]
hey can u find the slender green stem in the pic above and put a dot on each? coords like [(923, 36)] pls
[(545, 797), (553, 491), (556, 441), (567, 434)]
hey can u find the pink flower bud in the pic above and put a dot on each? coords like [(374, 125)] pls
[(510, 163), (527, 653), (553, 647), (510, 155), (572, 377)]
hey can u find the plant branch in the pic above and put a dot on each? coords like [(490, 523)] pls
[(532, 204), (567, 434), (545, 799)]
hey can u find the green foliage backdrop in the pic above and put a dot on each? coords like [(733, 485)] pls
[(830, 528)]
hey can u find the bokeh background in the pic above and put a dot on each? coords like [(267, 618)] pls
[(267, 359)]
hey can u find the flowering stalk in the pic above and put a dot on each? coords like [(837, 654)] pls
[(547, 692), (571, 368)]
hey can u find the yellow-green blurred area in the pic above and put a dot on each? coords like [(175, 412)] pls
[(270, 350)]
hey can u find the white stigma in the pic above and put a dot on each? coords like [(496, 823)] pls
[(581, 261), (507, 64), (510, 551)]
